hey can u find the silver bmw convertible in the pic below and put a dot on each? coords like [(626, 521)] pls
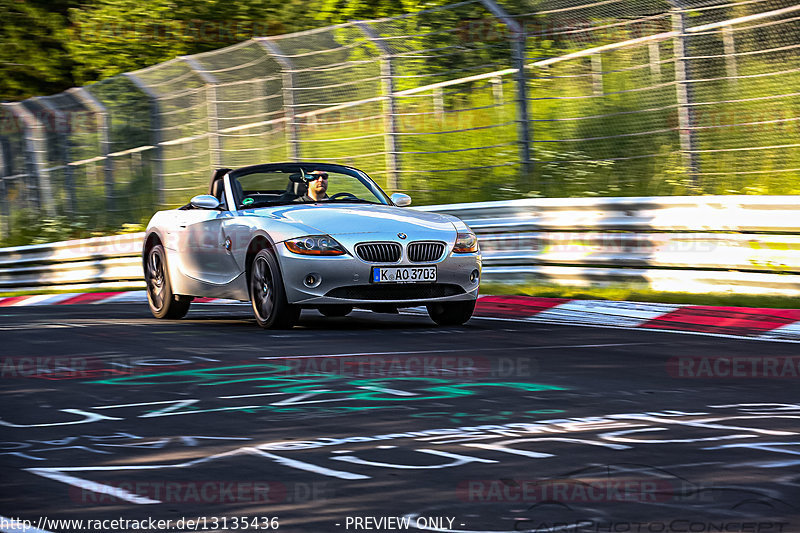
[(292, 236)]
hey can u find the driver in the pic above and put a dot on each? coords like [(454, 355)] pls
[(317, 187)]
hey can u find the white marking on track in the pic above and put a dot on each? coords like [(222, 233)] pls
[(135, 404), (389, 391), (85, 484), (302, 465), (301, 398)]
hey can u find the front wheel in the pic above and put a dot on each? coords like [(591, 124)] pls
[(163, 302), (451, 313), (268, 295)]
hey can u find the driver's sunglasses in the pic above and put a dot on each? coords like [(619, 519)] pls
[(317, 175)]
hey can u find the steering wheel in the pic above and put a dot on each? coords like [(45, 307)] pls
[(343, 195)]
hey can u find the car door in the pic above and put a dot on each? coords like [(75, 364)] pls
[(204, 247)]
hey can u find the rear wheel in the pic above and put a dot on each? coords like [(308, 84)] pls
[(268, 295), (335, 310), (451, 313), (163, 302)]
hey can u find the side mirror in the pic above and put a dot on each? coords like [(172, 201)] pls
[(400, 199), (205, 201)]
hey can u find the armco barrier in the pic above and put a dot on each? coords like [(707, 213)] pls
[(102, 262), (744, 244)]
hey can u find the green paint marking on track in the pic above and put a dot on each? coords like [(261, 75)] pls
[(320, 388)]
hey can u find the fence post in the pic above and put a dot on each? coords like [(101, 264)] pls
[(518, 41), (392, 142), (654, 53), (438, 105), (730, 52), (62, 126), (497, 90), (155, 130), (94, 105), (214, 139), (684, 92), (597, 74), (5, 216), (287, 78), (35, 150)]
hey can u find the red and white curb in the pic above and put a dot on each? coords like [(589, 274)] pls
[(753, 323), (92, 298), (749, 322)]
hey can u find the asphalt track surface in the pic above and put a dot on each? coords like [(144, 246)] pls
[(340, 424)]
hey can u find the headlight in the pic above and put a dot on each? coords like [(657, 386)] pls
[(466, 242), (315, 245)]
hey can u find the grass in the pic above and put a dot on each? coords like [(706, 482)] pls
[(9, 294), (641, 294)]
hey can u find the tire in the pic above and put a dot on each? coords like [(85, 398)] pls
[(268, 295), (334, 310), (163, 302), (451, 313)]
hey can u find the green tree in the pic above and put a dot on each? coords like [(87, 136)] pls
[(47, 46), (338, 11), (110, 37), (33, 58)]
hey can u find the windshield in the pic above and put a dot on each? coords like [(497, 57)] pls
[(305, 185)]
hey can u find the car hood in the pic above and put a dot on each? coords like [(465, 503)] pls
[(343, 219)]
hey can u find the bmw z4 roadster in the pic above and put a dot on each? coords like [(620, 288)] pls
[(292, 236)]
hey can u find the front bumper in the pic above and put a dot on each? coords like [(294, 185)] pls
[(346, 280)]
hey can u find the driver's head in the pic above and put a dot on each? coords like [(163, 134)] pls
[(317, 182)]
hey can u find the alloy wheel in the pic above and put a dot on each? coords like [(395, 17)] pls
[(262, 288)]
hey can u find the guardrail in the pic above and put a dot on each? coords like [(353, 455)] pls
[(744, 244), (111, 262)]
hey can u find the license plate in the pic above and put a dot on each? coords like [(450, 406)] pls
[(403, 274)]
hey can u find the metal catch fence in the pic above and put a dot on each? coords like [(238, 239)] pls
[(471, 101)]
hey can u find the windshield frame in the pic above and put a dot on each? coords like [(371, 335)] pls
[(291, 168)]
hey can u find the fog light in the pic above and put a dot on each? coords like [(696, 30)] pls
[(473, 277), (312, 280)]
